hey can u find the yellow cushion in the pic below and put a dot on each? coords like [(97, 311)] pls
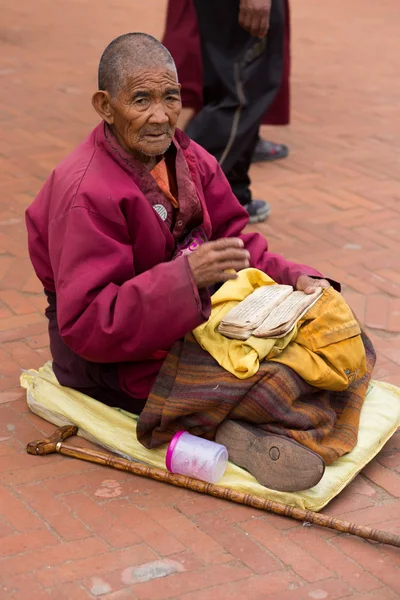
[(115, 430)]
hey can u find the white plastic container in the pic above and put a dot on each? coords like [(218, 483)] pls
[(196, 457)]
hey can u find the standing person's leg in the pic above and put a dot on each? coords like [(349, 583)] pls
[(241, 76), (279, 111)]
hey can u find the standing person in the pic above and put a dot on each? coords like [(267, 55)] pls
[(181, 37), (264, 81)]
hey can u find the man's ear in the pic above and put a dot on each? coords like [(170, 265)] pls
[(101, 102)]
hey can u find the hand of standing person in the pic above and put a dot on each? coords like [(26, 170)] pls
[(254, 16)]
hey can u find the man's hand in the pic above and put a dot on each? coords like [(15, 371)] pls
[(254, 16), (218, 261), (308, 285)]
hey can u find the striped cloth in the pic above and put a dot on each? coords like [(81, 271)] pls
[(192, 392)]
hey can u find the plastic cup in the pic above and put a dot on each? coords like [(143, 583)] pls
[(196, 457)]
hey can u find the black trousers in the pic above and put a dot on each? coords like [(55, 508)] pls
[(241, 76)]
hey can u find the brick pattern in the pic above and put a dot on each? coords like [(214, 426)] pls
[(72, 530)]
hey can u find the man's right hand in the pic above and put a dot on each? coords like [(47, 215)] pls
[(254, 16), (215, 262)]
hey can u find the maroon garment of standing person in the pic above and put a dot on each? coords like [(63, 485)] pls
[(181, 37)]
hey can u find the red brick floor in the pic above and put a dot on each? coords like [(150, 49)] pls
[(72, 531)]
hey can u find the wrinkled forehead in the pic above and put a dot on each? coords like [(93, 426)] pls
[(150, 79)]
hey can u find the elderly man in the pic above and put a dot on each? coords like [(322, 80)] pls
[(129, 235)]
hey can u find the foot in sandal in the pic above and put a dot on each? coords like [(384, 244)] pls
[(276, 461)]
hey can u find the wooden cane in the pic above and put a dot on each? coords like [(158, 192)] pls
[(56, 444)]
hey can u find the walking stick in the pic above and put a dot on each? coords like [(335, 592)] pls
[(56, 444)]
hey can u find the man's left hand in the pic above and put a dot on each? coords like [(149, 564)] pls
[(308, 285)]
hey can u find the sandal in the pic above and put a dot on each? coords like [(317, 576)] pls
[(276, 461)]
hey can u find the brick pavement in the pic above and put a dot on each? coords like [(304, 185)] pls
[(72, 531)]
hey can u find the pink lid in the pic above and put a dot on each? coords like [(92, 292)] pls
[(171, 448)]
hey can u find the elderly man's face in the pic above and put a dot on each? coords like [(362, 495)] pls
[(144, 114)]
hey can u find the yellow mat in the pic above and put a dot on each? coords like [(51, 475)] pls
[(115, 430)]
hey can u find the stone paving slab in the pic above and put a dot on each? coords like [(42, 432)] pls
[(70, 530)]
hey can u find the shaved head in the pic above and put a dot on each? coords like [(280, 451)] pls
[(128, 54)]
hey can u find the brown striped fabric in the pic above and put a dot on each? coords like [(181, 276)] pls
[(192, 392)]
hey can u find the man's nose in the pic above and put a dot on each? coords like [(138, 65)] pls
[(158, 114)]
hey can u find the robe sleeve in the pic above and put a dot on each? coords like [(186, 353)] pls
[(229, 218), (106, 313)]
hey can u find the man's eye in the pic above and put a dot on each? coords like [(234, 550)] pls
[(173, 98), (141, 101)]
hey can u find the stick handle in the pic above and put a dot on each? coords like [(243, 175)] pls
[(103, 458)]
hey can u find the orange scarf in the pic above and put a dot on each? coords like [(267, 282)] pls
[(165, 181)]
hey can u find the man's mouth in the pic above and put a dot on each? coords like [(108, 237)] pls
[(157, 136)]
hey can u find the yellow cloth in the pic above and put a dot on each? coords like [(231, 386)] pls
[(116, 430), (328, 351), (325, 348), (241, 358)]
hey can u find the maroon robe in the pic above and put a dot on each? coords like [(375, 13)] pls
[(181, 37), (101, 248)]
